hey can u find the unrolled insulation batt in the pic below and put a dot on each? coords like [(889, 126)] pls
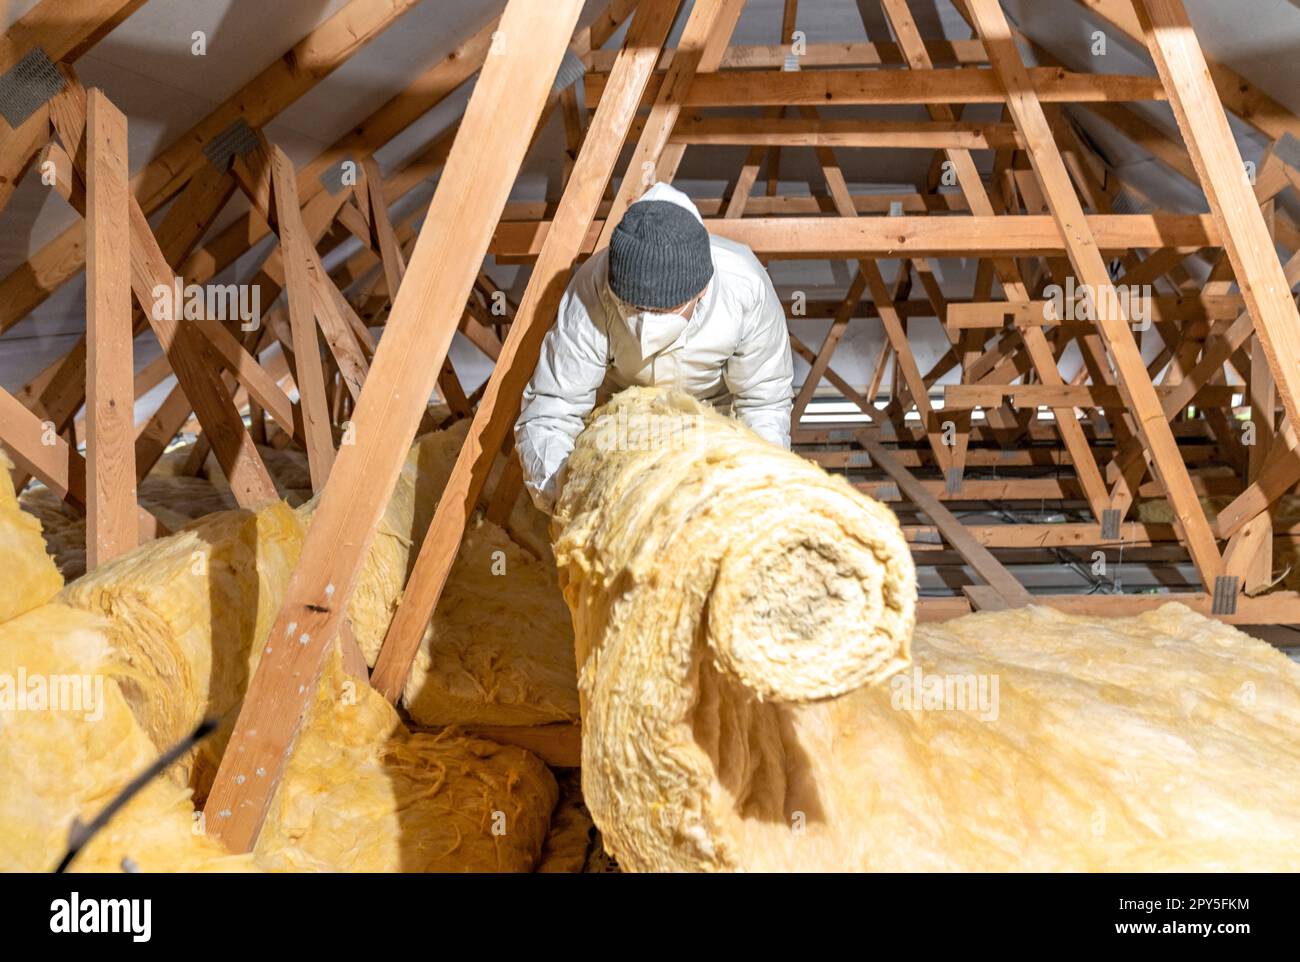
[(30, 577), (68, 743), (499, 649), (175, 629), (363, 794), (1025, 739)]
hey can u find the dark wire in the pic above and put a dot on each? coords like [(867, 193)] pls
[(79, 835)]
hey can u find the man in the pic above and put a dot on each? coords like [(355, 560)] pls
[(664, 304)]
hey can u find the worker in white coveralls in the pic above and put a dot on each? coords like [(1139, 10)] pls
[(665, 304)]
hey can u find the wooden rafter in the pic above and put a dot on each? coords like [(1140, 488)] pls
[(505, 104), (499, 407)]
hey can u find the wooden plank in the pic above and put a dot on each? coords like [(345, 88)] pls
[(1193, 306), (771, 56), (308, 374), (500, 405), (1249, 554), (44, 455), (1280, 474), (510, 485), (1246, 239), (1083, 250), (831, 88), (382, 226), (64, 29), (494, 134), (19, 148), (341, 329), (820, 238), (803, 132), (984, 598), (111, 525), (976, 555), (1065, 396)]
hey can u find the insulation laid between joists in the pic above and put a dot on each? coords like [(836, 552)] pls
[(30, 575), (170, 633), (742, 625)]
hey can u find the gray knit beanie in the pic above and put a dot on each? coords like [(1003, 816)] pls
[(659, 256)]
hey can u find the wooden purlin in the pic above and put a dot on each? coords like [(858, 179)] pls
[(831, 88), (500, 404), (505, 105), (1237, 93), (63, 29), (818, 238)]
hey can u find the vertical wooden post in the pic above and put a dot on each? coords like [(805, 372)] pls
[(110, 378)]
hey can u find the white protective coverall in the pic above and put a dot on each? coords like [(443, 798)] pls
[(733, 353)]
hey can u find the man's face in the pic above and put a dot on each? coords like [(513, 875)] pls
[(686, 310)]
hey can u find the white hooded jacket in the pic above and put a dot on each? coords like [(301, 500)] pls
[(734, 353)]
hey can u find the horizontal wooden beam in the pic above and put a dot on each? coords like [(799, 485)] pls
[(831, 88), (956, 236), (1194, 306), (966, 396), (803, 132), (773, 56)]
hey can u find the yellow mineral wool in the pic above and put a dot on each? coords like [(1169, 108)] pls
[(363, 794), (1018, 740), (499, 649), (717, 584), (30, 577), (1162, 742), (183, 612), (67, 755)]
